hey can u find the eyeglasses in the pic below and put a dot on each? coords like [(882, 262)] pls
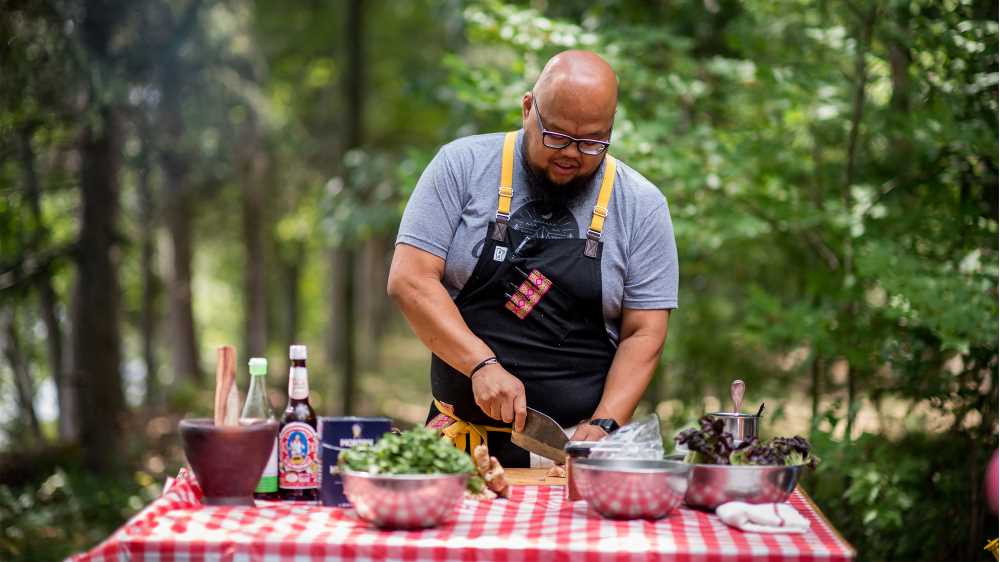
[(558, 141)]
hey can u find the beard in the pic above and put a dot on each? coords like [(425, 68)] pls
[(547, 192)]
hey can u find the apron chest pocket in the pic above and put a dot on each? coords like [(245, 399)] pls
[(540, 304)]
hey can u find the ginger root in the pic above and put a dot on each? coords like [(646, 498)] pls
[(491, 471)]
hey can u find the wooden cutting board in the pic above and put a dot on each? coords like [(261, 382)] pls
[(531, 477)]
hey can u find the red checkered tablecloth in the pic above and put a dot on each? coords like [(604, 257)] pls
[(534, 524)]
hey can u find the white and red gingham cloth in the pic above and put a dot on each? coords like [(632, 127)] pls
[(533, 525)]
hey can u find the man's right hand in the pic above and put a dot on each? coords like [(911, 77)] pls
[(500, 395), (415, 284)]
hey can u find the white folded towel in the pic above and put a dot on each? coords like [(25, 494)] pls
[(762, 518)]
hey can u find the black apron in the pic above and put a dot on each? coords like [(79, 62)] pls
[(537, 303)]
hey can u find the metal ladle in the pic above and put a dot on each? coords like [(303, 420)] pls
[(736, 391), (742, 427)]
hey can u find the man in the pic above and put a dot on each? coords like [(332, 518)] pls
[(552, 291)]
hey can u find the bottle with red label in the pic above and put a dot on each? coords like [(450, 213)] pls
[(298, 443)]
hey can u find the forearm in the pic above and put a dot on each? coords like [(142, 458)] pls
[(631, 370), (436, 320)]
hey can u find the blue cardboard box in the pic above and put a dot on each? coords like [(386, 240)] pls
[(337, 434)]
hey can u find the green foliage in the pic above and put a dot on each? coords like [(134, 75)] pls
[(69, 511), (906, 499), (831, 170)]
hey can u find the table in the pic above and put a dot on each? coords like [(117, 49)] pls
[(534, 524)]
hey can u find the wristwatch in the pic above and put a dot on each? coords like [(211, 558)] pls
[(607, 424)]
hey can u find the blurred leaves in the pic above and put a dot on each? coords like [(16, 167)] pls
[(891, 497), (68, 512), (836, 228)]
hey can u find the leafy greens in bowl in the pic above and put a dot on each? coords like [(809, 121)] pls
[(712, 445), (417, 451)]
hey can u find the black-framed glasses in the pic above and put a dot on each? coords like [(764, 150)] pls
[(559, 141)]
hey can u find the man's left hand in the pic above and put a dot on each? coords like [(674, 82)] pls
[(587, 432)]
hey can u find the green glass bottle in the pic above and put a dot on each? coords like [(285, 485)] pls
[(257, 409)]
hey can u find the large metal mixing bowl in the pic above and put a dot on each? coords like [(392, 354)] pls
[(711, 485), (631, 489), (404, 501)]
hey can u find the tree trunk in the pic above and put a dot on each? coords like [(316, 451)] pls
[(348, 364), (179, 211), (65, 401), (184, 340), (900, 59), (338, 326), (354, 88), (899, 66), (48, 300), (864, 37), (22, 375), (254, 266), (96, 337), (383, 307), (815, 388), (291, 273), (365, 309), (853, 404), (374, 304), (149, 314)]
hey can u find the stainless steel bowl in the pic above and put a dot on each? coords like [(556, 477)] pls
[(631, 489), (743, 427), (711, 485), (404, 501)]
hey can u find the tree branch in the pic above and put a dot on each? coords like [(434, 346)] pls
[(30, 266)]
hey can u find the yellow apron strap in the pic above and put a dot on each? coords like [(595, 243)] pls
[(506, 190), (601, 208), (607, 186), (464, 435), (507, 173), (458, 434)]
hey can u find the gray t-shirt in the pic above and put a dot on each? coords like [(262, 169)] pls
[(456, 198)]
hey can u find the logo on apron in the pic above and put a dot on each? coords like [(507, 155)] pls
[(500, 253)]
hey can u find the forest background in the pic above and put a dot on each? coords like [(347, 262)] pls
[(180, 174)]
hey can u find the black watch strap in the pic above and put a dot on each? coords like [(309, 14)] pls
[(607, 424)]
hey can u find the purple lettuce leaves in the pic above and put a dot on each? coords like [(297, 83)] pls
[(712, 445)]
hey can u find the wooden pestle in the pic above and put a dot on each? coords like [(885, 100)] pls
[(227, 400)]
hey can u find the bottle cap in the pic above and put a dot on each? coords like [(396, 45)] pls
[(297, 352), (258, 366)]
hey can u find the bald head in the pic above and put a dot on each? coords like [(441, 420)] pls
[(575, 95), (581, 79)]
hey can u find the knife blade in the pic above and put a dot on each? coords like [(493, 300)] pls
[(542, 436)]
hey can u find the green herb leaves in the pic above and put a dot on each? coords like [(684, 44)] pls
[(418, 451)]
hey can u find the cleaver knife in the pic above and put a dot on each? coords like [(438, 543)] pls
[(542, 436)]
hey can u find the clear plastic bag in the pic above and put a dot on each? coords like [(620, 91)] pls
[(638, 439)]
